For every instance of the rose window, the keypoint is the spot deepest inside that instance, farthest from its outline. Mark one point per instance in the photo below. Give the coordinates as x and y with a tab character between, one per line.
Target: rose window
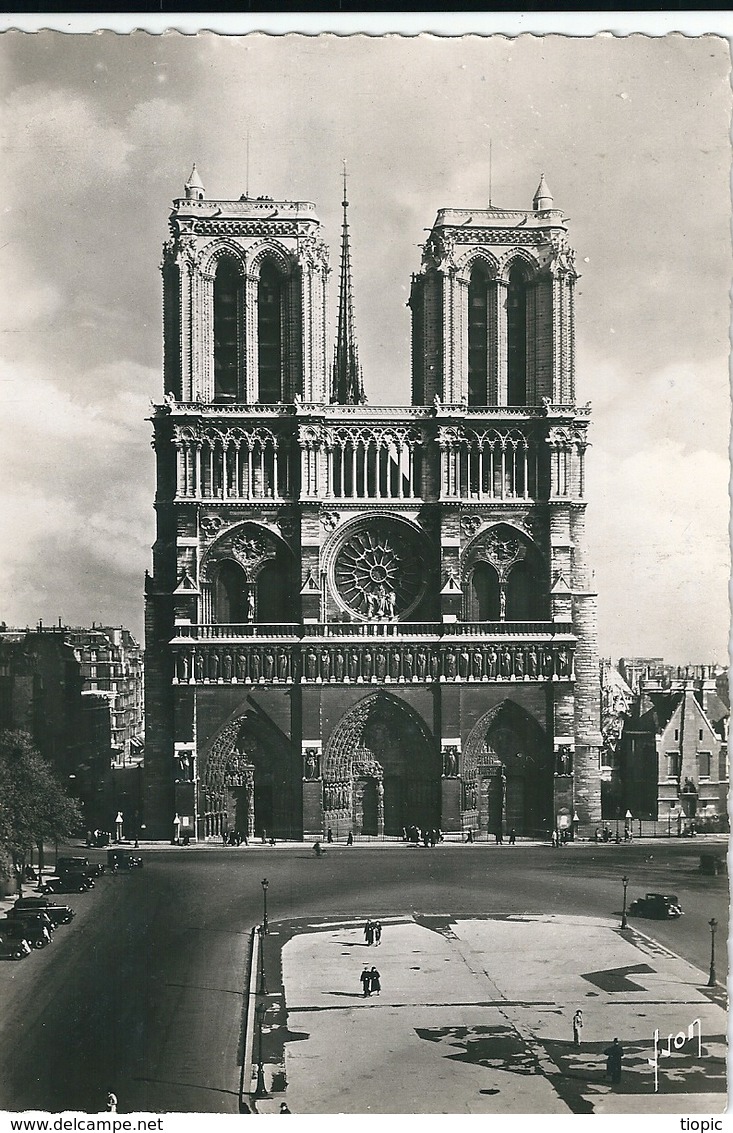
379	571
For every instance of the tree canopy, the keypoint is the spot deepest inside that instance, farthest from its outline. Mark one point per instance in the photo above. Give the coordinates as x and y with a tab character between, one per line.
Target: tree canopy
33	805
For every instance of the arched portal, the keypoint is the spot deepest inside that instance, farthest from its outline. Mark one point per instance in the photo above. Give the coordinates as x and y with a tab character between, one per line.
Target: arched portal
508	772
249	780
381	770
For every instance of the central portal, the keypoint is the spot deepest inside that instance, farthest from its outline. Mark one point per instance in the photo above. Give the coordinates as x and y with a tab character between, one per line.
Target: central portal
381	771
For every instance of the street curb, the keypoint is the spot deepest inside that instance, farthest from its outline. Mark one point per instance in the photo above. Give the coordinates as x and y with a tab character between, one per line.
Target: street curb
245	1081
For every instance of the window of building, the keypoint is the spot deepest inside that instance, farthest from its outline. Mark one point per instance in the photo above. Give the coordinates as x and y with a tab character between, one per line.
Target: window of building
699	734
723	765
674	764
676	735
478	345
703	758
227	283
269	319
516	334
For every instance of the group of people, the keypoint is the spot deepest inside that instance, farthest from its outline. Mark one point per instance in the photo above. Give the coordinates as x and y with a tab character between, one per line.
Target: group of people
414	835
370	981
373	932
233	838
614	1053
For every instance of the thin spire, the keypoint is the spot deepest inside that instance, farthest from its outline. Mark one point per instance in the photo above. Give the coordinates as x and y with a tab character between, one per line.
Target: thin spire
347	387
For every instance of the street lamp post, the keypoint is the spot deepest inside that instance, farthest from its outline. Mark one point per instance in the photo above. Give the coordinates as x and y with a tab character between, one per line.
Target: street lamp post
625	882
260	1089
264	884
712	982
262	989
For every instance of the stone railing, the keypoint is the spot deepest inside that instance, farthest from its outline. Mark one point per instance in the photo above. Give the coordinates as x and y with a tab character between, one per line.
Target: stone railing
373	662
374	630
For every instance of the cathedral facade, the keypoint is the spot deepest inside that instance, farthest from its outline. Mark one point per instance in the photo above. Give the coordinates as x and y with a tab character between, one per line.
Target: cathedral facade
363	617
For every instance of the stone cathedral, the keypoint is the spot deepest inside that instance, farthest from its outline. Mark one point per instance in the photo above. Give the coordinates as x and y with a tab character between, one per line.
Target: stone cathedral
365	617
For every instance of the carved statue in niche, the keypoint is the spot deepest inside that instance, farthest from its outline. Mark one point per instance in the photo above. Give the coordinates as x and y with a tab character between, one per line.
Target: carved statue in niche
199	666
213	666
394	665
451	763
492	659
241	666
422	664
250	604
367	665
502	602
325	664
269	665
564	760
563	662
311	763
283	665
182	667
380	664
533	666
506	661
256	665
311	661
408	665
450	665
434	665
519	662
463	662
185	766
338	665
547	661
477	664
226	667
353	665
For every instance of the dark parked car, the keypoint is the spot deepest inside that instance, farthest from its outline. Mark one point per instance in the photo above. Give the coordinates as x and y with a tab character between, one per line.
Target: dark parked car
36	928
57	914
123	859
79	865
661	906
68	883
13	949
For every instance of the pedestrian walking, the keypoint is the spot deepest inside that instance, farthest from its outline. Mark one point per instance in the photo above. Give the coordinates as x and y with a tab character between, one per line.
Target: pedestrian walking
366	981
377	932
375	985
512	836
284	1108
369	932
614	1055
329	835
112	1102
469	836
350	839
577	1027
554	839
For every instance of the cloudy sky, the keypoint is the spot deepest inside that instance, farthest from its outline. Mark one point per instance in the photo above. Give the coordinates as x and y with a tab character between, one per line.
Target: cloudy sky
98	134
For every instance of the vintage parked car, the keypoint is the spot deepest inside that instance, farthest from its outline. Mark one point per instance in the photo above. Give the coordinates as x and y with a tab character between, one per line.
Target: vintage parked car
57	914
36	928
661	906
68	883
79	865
123	859
14	949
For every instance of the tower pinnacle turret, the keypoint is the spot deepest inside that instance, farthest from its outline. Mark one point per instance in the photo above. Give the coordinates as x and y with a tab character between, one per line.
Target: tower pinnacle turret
543	197
347	387
194	186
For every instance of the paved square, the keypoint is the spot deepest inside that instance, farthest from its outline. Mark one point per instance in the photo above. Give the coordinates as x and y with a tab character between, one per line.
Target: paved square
475	1016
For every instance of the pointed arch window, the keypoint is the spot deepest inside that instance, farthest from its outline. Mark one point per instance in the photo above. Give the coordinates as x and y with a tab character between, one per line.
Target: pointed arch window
478	344
227	331
269	326
516	334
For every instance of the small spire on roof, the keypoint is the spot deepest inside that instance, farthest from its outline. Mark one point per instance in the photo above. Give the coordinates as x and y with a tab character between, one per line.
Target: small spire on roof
347	387
543	197
194	186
